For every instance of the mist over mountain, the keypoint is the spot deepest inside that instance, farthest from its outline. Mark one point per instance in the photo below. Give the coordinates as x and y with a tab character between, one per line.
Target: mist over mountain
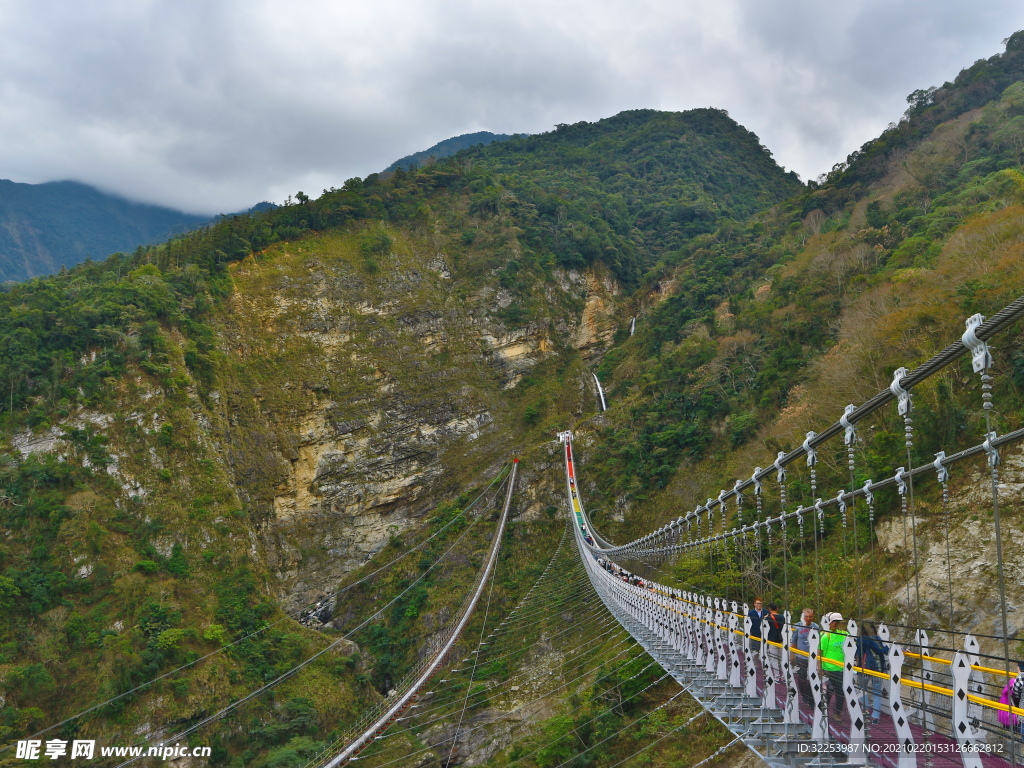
61	223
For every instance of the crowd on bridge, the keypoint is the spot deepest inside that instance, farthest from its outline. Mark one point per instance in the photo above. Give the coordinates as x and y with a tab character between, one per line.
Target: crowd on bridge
768	627
623	574
871	655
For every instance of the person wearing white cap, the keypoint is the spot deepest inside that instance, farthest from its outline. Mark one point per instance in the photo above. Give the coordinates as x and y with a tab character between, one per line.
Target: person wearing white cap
831	653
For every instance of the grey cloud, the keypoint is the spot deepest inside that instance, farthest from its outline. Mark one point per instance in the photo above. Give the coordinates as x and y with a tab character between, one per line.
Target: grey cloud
211	106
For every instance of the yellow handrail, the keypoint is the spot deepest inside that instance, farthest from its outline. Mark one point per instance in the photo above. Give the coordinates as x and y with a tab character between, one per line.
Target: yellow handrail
1019	711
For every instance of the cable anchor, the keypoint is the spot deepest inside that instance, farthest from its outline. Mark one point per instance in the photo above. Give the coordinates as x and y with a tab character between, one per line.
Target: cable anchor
981	358
842	505
780	471
904	405
869	497
901	483
940	468
990	450
812	454
844	421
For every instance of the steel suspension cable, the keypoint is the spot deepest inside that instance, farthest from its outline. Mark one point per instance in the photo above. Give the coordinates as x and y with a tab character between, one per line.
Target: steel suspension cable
625	728
536	583
544	695
982	332
249	636
662	738
472	674
541	697
289	673
456	689
595	717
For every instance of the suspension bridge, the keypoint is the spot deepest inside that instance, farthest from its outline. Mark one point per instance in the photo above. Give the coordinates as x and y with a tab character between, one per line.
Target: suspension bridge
942	705
793	703
935	695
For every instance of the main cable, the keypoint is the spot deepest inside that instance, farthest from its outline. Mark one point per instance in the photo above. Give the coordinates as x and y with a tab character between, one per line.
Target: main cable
595	717
541	697
338	593
472	674
505	682
285	675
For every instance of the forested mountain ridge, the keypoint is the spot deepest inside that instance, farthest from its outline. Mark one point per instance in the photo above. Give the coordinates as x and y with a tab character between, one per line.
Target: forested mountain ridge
445	148
762	288
768	327
640	184
46	226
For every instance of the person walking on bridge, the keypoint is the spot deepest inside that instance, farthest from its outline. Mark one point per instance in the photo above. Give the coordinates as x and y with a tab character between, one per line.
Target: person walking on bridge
831	654
800	652
774	623
756	614
871	655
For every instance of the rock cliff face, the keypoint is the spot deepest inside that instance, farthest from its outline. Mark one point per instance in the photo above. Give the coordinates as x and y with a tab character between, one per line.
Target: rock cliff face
599	321
343	400
357	400
969	569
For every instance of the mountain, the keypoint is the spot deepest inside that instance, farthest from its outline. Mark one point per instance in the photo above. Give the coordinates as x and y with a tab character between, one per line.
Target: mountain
897	208
320	384
446	148
306	406
46	226
759	331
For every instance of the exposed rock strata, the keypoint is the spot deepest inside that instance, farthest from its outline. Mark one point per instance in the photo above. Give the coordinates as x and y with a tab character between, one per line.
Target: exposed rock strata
385	403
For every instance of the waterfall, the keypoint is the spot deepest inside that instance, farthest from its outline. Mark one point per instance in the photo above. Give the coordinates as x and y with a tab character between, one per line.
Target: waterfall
600	392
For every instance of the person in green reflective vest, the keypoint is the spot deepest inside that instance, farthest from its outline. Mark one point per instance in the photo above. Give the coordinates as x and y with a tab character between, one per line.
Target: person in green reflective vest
831	653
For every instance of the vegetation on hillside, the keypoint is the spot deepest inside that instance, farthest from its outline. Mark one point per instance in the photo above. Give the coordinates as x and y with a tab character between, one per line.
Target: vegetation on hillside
771	326
445	148
582	211
140	554
752	304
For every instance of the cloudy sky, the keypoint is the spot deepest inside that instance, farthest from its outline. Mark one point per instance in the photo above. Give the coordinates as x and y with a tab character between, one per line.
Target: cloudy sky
213	105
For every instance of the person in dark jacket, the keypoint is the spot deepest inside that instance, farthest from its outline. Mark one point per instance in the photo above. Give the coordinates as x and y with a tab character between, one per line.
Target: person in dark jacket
774	623
756	614
871	655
